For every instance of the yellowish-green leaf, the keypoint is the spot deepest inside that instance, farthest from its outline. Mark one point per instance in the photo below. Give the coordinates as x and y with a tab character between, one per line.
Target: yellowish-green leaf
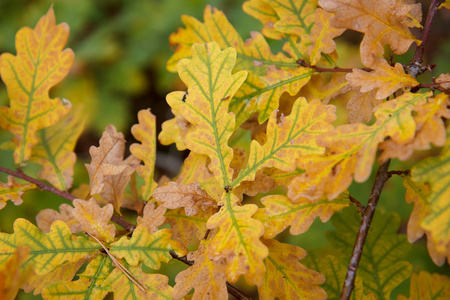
125	289
416	193
384	78
174	130
55	150
262	11
205	276
436	171
428	286
351	150
210	88
292	137
286	278
151	249
12	276
91	284
187	228
279	213
446	4
47	251
94	219
145	132
238	241
39	65
12	190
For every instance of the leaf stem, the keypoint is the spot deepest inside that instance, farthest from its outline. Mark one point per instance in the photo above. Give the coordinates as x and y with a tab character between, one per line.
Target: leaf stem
349	283
43	186
233	291
303	63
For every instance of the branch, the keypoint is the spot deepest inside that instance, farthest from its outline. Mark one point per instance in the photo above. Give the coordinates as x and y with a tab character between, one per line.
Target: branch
231	289
303	63
399	173
349	283
43	186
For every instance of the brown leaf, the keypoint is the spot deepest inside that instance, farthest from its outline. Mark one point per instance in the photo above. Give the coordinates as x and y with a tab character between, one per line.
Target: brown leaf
361	107
190	196
153	217
444	80
46	217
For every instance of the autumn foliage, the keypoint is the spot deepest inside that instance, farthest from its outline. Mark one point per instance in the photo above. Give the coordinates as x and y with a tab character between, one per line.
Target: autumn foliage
265	154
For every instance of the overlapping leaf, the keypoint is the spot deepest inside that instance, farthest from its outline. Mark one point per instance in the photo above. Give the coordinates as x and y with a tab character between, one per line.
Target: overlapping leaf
145	132
11	275
185	228
39	65
55	150
430	286
351	150
46	217
238	241
383	254
383	23
205	276
13	191
47	251
435	170
152	217
91	284
286	278
262	11
151	249
279	213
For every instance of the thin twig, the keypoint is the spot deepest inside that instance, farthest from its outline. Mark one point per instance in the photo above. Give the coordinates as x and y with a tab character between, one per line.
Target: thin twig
303	63
233	291
399	173
43	186
433	86
349	283
361	207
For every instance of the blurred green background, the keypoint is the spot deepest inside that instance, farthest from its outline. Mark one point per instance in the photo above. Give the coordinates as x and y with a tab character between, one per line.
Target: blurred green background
121	48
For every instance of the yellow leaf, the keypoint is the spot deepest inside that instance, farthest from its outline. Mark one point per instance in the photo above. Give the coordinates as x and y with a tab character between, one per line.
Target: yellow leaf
286	278
186	228
94	220
190	196
428	286
151	249
12	190
384	78
12	276
146	151
322	36
351	150
39	65
238	241
211	86
383	23
435	170
125	289
325	89
46	217
47	251
279	213
292	137
55	150
91	284
174	130
205	276
152	218
262	11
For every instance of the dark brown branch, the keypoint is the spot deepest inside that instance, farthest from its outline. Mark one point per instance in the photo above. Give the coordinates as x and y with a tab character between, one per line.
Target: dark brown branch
43	186
433	86
349	283
231	289
361	208
303	63
399	173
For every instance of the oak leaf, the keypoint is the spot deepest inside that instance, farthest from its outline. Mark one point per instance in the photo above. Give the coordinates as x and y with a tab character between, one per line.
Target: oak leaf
145	132
185	228
205	276
262	11
46	217
319	87
426	285
190	196
13	191
384	78
361	106
152	217
94	220
39	65
383	23
12	276
444	80
286	278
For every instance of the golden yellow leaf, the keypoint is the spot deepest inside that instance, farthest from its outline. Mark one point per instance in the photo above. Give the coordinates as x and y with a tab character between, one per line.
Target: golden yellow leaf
145	132
174	130
384	78
262	11
238	241
46	217
12	190
279	213
428	286
205	276
185	228
190	196
286	278
12	276
383	23
39	65
153	217
325	90
94	220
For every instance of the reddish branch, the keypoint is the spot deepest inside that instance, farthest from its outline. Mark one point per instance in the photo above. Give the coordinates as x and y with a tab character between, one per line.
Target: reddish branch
303	63
349	283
